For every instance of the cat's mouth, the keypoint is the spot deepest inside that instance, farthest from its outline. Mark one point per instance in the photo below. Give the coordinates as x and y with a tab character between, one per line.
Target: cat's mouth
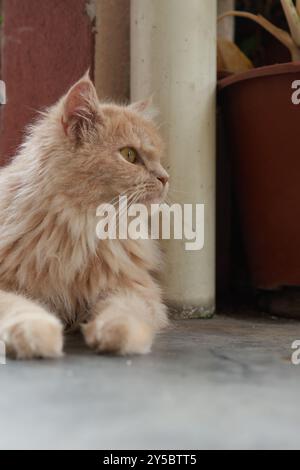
154	196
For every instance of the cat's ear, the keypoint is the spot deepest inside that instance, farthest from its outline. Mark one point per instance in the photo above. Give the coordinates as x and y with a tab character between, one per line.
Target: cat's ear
145	108
80	109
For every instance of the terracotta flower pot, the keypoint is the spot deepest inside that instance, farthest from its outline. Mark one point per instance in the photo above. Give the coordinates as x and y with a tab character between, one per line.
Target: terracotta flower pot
263	128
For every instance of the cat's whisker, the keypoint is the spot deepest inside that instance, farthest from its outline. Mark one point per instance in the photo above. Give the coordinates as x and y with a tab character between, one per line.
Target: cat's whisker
172	190
122	209
116	199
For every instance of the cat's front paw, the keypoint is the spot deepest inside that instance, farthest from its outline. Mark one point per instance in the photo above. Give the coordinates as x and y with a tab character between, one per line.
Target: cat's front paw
119	335
33	335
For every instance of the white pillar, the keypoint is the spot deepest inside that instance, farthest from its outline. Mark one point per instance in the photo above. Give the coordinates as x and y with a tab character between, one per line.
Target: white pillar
173	55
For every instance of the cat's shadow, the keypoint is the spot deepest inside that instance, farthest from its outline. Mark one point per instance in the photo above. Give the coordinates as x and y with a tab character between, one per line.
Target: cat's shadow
75	344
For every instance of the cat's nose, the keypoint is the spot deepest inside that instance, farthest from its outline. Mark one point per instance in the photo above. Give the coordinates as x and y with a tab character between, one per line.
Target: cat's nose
163	179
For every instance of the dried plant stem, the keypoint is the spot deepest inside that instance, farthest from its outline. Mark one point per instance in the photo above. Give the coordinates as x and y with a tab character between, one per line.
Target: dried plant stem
293	19
282	36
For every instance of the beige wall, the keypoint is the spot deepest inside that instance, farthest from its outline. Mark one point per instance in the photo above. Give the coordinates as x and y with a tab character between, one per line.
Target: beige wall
112	57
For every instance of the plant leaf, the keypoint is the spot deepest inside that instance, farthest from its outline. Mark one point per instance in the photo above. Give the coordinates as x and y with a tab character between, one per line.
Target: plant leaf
293	19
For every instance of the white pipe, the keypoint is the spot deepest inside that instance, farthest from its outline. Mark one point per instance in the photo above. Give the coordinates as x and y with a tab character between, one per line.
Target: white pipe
173	55
226	26
2	92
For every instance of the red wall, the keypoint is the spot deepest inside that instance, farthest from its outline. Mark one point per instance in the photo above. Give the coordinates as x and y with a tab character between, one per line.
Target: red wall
46	46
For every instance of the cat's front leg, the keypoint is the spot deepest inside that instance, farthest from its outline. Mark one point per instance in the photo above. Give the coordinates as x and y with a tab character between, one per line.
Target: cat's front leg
125	323
27	329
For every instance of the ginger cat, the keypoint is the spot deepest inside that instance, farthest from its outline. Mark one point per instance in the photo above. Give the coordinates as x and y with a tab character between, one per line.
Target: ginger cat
54	271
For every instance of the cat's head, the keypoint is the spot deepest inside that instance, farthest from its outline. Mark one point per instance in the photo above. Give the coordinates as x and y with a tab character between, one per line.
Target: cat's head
109	149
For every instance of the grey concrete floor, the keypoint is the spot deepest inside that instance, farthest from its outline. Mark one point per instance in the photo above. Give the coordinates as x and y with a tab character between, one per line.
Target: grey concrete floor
215	384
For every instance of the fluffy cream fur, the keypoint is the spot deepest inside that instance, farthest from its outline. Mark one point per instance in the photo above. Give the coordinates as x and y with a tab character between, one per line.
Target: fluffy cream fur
54	272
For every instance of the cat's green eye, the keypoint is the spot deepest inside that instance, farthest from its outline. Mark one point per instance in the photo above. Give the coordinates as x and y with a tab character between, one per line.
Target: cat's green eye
129	154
